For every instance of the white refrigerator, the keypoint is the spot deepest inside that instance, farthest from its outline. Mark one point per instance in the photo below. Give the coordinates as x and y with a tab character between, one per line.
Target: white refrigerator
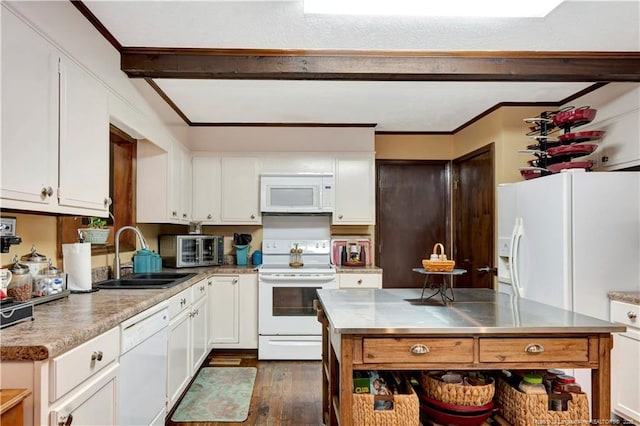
568	239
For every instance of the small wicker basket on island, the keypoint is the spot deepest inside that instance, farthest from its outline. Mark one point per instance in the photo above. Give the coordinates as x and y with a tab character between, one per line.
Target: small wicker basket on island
440	265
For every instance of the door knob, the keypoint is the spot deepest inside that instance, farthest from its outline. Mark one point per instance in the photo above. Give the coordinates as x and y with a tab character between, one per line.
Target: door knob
487	269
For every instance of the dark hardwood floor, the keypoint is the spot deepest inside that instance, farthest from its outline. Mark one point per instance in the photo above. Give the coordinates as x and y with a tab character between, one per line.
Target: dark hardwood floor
286	393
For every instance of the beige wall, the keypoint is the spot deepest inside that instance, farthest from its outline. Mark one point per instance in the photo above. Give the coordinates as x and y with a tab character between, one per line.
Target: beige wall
414	147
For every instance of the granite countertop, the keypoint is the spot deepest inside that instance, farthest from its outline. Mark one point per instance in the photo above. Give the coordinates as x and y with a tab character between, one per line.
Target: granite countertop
632	297
63	324
475	311
358	269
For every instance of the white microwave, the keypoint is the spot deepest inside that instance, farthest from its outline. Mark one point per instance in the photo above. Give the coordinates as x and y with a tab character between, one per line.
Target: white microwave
296	193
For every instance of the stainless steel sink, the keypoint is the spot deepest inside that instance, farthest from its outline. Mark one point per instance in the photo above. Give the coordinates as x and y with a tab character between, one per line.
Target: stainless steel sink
145	281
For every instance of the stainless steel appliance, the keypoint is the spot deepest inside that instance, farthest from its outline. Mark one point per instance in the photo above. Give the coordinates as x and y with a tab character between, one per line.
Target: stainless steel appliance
296	193
185	251
287	324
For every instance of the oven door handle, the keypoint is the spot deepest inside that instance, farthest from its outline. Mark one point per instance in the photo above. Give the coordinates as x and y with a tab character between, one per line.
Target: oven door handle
281	278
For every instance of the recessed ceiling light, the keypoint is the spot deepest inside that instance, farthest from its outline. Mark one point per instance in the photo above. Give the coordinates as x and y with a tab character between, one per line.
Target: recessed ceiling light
444	8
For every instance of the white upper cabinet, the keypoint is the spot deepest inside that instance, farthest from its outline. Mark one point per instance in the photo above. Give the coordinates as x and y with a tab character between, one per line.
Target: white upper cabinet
354	189
84	140
41	171
206	189
240	190
163	184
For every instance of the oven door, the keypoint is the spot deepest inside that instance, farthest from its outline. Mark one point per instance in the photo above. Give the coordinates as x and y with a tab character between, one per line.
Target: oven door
286	303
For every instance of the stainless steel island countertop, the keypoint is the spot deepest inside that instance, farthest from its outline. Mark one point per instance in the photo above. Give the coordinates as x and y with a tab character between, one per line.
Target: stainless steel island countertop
477	311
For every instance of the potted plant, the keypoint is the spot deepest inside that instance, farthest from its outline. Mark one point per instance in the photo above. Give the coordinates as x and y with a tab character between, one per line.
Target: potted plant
96	233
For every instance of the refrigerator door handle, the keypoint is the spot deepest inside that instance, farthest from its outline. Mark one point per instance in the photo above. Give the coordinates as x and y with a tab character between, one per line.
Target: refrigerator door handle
513	264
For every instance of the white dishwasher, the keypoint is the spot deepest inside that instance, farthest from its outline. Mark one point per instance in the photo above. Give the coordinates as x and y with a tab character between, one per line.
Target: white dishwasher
143	367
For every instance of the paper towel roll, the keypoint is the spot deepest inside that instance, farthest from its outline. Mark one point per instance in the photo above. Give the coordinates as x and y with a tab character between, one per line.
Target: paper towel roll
76	262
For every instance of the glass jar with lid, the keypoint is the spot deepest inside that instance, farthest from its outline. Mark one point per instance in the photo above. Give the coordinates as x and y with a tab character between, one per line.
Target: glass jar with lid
49	281
21	284
35	261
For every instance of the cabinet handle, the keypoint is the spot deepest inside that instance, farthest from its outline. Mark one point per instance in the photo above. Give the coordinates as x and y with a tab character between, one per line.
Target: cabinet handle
534	348
107	202
419	349
46	191
235	281
209	283
253	216
96	355
209	216
632	315
360	281
184	215
183	301
191	314
65	420
339	216
174	213
201	289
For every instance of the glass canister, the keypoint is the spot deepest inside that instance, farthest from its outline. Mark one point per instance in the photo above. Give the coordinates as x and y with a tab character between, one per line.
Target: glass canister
35	261
49	281
21	284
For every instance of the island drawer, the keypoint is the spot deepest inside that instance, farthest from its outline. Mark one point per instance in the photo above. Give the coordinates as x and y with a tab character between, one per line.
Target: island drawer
406	349
532	349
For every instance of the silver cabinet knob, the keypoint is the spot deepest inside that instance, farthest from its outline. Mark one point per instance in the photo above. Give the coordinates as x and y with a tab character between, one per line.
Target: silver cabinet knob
235	281
46	191
209	216
360	281
340	216
632	315
107	202
253	216
209	283
96	356
183	302
174	213
201	289
65	420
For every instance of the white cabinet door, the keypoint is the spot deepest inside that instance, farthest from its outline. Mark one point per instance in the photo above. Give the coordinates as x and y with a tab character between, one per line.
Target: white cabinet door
355	190
625	371
248	311
224	314
84	140
180	190
29	169
199	337
93	403
240	177
179	344
206	189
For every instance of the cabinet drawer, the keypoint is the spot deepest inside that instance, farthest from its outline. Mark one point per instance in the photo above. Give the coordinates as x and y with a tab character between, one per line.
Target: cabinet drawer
199	290
625	313
360	280
448	350
532	349
72	368
179	302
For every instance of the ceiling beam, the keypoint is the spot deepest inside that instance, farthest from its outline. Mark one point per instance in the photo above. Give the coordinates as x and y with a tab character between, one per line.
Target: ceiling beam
262	64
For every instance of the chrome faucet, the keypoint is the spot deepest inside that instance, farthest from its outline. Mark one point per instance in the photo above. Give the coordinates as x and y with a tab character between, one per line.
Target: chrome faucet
143	243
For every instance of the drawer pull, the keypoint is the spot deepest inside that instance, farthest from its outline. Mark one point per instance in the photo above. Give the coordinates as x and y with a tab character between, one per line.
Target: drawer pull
66	420
534	348
632	315
360	281
96	356
419	349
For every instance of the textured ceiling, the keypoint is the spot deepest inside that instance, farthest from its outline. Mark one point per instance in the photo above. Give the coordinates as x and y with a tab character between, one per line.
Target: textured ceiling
393	106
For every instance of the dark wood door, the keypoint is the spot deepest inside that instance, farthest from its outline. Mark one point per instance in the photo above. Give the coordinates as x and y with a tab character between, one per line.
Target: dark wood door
412	215
473	217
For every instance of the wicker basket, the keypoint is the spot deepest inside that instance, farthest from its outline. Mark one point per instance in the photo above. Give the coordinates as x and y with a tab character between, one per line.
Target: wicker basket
457	394
441	265
405	412
521	409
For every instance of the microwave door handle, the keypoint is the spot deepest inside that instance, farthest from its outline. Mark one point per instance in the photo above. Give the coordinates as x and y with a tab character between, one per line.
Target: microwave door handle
198	259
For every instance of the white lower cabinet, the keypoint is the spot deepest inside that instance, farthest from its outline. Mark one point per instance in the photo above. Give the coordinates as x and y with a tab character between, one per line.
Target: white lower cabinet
625	371
92	403
233	311
187	338
360	280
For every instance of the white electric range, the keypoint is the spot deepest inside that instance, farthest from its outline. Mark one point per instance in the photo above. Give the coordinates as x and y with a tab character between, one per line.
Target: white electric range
287	323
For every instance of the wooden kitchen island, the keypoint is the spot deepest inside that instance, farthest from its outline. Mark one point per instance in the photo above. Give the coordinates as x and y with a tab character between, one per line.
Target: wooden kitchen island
379	329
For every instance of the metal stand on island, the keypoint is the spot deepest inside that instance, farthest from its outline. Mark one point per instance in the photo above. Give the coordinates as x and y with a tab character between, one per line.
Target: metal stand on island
442	287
